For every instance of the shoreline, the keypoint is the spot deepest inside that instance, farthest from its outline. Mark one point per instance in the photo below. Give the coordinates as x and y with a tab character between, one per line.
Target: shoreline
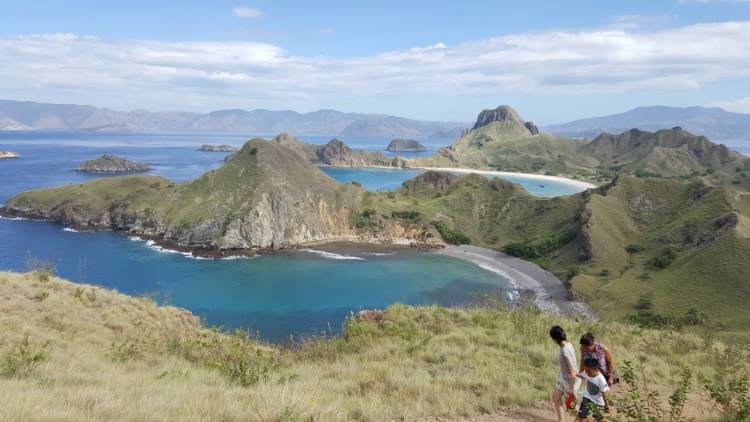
550	294
570	182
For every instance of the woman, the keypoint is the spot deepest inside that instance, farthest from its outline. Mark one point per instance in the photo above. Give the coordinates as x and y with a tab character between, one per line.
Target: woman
590	348
567	382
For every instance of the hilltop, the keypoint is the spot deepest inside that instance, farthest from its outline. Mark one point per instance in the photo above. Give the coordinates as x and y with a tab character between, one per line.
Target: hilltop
502	140
74	352
714	123
25	115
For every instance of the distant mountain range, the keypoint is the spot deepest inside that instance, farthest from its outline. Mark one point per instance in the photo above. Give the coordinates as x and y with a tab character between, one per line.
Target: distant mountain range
713	123
23	115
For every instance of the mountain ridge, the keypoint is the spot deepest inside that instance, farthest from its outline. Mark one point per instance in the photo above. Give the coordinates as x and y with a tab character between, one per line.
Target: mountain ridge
27	115
713	122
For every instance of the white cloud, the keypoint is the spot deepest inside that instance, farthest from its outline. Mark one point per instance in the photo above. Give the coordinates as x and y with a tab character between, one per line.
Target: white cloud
207	75
328	32
741	105
246	12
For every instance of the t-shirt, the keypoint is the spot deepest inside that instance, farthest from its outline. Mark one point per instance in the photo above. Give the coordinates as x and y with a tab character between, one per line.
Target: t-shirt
595	387
569	352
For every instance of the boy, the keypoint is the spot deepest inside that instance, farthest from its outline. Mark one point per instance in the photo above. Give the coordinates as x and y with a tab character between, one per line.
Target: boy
595	395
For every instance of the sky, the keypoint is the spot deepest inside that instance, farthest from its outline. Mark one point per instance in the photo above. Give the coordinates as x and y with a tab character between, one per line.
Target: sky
554	61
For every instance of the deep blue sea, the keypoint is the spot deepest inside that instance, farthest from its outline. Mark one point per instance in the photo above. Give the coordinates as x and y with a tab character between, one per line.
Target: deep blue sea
294	293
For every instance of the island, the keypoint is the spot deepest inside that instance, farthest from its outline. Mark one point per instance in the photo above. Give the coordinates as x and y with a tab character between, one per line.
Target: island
405	145
111	164
9	154
217	148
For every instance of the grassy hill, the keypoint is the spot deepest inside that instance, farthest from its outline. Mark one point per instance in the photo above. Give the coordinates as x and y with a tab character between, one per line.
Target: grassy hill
72	352
506	144
654	250
264	196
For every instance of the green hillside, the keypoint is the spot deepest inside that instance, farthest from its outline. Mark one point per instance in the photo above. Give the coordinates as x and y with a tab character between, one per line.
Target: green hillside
73	352
505	143
680	247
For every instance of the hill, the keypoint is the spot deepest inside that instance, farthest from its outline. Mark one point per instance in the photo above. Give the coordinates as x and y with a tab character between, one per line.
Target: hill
713	123
264	196
74	352
501	140
677	246
24	115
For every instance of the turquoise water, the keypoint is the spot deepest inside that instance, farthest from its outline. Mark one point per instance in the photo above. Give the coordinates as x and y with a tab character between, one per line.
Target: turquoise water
295	293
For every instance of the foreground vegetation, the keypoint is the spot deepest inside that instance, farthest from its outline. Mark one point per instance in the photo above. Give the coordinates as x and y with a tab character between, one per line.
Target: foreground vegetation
75	352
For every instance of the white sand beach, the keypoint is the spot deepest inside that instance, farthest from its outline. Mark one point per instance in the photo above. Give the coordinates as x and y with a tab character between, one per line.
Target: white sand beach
571	182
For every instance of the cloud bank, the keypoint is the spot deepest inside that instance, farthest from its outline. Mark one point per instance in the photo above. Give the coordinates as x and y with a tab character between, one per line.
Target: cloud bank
209	75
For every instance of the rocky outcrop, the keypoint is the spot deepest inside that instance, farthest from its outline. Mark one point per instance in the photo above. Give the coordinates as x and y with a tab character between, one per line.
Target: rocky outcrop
531	127
338	154
405	145
111	164
503	113
217	148
430	183
9	154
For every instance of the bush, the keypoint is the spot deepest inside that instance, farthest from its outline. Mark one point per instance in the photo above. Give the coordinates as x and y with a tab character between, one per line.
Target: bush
364	219
644	303
631	249
23	358
641	404
407	215
242	363
40	269
451	236
730	388
540	247
663	260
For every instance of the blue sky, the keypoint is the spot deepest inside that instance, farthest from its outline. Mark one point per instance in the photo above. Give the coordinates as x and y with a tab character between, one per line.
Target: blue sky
441	60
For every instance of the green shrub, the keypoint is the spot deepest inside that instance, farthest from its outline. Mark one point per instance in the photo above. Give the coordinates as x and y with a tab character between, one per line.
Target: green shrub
730	388
23	357
631	249
663	260
639	403
539	247
451	236
365	219
407	215
242	364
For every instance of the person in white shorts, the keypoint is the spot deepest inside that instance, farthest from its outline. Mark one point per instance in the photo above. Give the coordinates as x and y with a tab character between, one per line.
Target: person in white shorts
567	383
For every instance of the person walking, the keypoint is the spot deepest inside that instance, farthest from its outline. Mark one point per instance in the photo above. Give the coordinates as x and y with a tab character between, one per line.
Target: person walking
567	382
590	348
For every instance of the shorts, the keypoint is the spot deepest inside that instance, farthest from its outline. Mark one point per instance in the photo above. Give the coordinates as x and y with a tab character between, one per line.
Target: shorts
563	386
583	410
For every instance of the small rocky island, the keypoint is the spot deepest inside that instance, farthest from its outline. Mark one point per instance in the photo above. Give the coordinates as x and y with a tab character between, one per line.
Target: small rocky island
9	154
111	164
217	148
405	145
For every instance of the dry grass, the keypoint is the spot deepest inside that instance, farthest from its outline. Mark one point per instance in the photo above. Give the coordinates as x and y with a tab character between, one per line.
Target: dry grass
114	357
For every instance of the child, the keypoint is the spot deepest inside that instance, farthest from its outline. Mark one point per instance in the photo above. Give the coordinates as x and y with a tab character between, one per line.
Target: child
595	394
